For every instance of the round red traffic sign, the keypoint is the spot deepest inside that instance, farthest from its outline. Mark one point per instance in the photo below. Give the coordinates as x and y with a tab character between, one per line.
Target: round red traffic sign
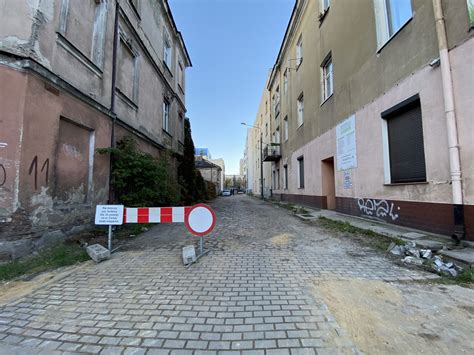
201	219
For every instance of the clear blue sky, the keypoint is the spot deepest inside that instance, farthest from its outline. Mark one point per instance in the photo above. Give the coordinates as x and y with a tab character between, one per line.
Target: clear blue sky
232	44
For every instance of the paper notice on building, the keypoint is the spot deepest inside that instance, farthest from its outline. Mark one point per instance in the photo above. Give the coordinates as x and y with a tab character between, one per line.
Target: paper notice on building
346	144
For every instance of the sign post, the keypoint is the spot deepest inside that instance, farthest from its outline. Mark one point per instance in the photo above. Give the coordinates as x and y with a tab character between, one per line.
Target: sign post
110	215
200	221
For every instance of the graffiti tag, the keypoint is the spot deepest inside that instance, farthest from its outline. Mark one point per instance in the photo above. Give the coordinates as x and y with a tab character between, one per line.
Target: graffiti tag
377	208
3	175
34	168
72	151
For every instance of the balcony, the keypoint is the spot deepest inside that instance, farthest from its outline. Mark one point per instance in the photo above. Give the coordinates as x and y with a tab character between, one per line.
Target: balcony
272	152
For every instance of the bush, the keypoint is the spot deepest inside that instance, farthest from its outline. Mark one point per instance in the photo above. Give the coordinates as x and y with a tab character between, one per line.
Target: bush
139	179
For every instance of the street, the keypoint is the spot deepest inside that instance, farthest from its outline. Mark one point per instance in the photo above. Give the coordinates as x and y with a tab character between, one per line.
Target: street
271	284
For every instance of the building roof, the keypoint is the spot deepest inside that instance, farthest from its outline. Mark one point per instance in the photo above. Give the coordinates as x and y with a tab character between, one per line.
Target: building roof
205	164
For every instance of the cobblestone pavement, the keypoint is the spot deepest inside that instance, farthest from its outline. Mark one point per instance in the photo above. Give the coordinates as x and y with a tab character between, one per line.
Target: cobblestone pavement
255	292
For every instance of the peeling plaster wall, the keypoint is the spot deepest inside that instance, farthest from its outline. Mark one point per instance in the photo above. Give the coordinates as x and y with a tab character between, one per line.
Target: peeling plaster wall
44	212
21	25
56	61
12	99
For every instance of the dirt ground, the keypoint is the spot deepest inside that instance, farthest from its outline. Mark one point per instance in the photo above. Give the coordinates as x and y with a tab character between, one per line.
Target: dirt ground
393	318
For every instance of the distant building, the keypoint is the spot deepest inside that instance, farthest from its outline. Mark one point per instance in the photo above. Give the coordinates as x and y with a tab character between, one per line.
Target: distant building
236	181
202	152
242	167
221	163
210	172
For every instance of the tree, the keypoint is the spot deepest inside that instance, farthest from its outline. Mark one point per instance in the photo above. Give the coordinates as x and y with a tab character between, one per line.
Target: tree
193	188
227	182
239	183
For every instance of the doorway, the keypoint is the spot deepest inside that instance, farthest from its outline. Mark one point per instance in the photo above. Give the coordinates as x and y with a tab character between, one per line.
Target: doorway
328	182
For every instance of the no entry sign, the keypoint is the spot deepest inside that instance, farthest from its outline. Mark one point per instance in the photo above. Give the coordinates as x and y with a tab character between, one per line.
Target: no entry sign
200	220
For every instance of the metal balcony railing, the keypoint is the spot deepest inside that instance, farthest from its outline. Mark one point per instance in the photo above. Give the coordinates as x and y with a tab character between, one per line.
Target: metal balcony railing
271	152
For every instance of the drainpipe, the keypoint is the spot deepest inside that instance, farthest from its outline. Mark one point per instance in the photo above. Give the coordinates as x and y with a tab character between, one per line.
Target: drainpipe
453	144
112	93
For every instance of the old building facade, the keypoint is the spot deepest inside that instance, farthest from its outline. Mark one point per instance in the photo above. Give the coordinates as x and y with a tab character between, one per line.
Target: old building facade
371	109
76	76
211	173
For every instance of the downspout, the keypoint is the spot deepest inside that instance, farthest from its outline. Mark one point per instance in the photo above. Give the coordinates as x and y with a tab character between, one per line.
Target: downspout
453	143
112	94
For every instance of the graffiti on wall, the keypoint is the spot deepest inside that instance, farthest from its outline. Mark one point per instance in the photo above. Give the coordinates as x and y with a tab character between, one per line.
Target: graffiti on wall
377	208
3	175
3	172
34	169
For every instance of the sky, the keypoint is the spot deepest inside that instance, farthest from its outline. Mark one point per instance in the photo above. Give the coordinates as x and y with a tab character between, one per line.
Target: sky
232	44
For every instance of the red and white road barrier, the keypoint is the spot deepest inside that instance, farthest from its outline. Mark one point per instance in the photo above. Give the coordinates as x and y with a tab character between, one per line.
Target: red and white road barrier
155	214
200	219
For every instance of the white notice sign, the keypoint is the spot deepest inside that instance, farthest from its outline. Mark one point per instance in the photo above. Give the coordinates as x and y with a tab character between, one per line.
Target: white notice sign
346	144
109	214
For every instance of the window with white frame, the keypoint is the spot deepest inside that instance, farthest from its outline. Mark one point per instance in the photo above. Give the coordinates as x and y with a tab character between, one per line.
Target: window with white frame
327	88
285	129
285	82
299	51
181	75
390	17
324	5
300	109
277	102
166	116
167	49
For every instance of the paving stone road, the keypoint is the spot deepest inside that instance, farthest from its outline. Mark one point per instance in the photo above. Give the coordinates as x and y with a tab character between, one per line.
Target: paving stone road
254	293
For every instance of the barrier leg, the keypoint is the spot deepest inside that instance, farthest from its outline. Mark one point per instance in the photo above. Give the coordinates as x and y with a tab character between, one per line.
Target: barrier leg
110	238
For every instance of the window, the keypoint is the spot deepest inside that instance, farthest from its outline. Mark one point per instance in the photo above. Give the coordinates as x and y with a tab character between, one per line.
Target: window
324	5
127	85
285	170
274	180
390	16
285	129
300	110
470	11
277	135
135	6
180	75
276	101
84	41
167	50
404	140
301	172
266	129
278	179
299	51
327	79
285	81
166	116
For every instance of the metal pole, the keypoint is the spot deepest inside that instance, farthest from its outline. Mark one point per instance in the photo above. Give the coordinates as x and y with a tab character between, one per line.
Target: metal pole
261	164
110	238
201	245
